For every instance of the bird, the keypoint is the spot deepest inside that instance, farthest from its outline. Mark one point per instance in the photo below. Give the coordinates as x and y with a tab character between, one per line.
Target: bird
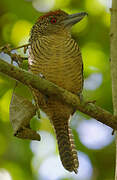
56	56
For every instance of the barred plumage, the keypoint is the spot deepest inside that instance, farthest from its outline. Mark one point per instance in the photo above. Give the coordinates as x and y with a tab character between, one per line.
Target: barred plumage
67	150
56	56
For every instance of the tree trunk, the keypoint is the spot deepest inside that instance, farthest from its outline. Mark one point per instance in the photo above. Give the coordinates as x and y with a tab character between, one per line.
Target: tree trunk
113	35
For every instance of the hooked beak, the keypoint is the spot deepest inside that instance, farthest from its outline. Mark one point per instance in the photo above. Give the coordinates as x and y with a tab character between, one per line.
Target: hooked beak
74	18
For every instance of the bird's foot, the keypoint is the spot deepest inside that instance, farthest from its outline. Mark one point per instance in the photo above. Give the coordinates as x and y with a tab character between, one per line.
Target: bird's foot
41	75
38	113
91	101
45	96
113	132
80	97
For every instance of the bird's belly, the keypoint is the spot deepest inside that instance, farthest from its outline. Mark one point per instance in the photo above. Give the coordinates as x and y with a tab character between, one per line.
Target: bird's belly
63	69
63	72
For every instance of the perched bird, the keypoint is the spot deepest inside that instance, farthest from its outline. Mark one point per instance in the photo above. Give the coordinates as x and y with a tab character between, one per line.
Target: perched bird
56	56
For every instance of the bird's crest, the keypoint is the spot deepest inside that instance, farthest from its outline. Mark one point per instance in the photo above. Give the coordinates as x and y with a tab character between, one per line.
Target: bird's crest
52	13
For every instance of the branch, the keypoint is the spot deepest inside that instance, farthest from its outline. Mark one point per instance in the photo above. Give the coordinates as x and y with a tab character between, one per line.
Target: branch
48	88
15	57
114	62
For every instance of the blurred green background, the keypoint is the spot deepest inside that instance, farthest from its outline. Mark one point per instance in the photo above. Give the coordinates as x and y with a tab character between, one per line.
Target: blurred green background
23	159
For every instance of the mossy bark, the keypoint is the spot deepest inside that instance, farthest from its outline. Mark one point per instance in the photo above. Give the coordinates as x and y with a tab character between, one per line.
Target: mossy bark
48	88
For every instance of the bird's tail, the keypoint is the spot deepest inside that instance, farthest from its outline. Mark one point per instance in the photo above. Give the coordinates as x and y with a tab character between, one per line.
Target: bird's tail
67	150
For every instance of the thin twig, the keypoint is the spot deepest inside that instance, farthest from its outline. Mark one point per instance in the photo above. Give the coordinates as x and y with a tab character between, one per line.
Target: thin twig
19	47
14	57
8	48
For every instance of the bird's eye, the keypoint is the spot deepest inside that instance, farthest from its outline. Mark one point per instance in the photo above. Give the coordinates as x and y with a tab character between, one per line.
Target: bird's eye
53	20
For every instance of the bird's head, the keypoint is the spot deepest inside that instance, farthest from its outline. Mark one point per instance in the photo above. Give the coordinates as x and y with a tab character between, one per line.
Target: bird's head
56	21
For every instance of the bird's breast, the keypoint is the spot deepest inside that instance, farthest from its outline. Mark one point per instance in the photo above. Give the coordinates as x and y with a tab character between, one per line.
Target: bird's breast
59	61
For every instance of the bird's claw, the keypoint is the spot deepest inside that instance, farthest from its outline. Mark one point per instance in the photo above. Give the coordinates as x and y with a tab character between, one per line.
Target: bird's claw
41	75
38	113
91	101
113	132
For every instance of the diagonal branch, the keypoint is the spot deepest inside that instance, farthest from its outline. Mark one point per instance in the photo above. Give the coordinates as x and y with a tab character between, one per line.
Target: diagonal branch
48	88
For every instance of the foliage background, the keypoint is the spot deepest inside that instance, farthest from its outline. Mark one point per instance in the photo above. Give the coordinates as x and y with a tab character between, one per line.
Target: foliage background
21	159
